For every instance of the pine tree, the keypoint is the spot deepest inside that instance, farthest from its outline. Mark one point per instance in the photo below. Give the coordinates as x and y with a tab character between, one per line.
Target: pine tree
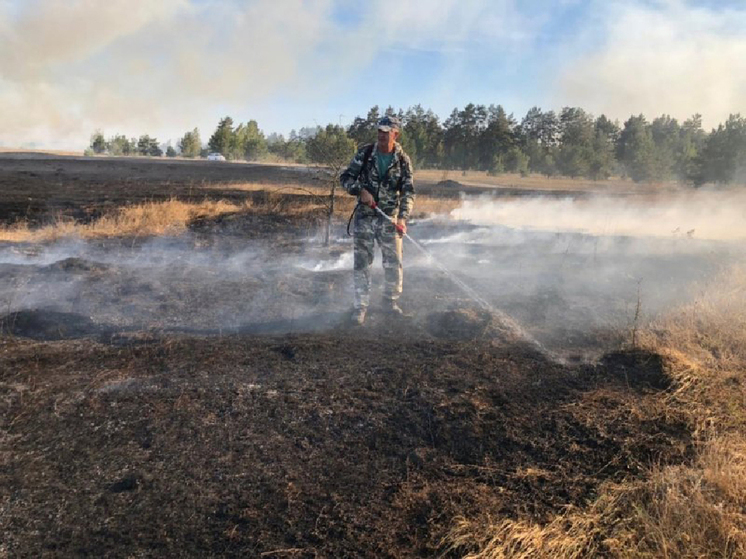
223	137
190	144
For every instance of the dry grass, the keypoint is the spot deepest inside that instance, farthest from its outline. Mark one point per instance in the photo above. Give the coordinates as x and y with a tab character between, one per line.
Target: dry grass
318	197
425	206
540	182
173	216
32	152
138	220
705	345
682	511
677	512
272	189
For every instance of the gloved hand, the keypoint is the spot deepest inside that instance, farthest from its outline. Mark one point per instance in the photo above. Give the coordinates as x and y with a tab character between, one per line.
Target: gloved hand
366	197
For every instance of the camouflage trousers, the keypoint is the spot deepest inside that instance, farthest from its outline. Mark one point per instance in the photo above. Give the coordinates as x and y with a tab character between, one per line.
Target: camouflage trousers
369	229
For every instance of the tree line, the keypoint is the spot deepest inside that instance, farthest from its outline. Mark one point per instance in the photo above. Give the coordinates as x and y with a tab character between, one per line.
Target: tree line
571	143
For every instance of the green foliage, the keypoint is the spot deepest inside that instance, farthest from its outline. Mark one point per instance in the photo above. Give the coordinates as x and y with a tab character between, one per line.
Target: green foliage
661	150
487	138
222	140
363	130
275	139
143	145
155	149
245	141
422	137
538	136
497	166
170	151
577	134
723	157
605	136
148	146
498	138
294	149
331	147
98	144
666	134
692	142
120	145
462	137
635	149
516	161
542	127
250	141
306	132
190	144
421	134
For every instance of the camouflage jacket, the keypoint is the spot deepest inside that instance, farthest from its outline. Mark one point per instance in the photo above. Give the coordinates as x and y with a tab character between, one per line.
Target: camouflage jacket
389	197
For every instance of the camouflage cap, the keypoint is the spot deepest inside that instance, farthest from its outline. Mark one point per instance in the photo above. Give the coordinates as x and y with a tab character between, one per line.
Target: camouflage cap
389	123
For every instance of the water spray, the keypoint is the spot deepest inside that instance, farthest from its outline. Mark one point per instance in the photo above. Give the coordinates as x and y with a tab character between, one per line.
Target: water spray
508	321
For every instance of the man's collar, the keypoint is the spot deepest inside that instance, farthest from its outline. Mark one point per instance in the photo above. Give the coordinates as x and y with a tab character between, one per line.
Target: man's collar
396	151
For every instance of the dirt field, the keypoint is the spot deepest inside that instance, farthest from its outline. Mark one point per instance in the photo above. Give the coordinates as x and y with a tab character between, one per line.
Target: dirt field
201	394
38	187
41	188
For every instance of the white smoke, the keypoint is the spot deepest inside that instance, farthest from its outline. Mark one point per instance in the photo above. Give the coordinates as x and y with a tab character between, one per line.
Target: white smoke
675	57
707	215
562	269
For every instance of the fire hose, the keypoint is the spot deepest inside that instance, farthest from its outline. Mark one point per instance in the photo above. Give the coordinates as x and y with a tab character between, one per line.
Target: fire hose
506	320
403	232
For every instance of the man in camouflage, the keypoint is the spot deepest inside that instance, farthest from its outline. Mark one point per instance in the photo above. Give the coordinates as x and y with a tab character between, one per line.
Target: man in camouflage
380	173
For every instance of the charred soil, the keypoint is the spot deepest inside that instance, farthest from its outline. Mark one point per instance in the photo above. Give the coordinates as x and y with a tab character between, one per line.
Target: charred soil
125	439
334	445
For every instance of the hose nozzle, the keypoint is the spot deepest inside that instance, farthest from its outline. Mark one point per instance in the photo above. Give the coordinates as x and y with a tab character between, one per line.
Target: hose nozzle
401	229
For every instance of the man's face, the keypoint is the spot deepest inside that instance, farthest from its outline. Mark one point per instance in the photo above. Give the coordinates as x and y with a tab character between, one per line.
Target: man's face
386	140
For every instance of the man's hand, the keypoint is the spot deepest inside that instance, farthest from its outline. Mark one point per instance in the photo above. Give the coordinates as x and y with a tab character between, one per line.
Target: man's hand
366	198
401	226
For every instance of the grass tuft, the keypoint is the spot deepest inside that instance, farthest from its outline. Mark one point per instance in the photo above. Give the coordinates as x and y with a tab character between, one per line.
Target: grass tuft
141	220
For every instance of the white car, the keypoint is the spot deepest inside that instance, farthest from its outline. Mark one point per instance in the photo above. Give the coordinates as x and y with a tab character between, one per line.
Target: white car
215	157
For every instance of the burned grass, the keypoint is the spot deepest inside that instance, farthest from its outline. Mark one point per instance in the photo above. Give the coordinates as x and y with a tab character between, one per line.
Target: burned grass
153	404
44	191
320	444
37	190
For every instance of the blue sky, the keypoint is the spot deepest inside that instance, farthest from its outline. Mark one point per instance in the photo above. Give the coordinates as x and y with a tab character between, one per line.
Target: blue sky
68	67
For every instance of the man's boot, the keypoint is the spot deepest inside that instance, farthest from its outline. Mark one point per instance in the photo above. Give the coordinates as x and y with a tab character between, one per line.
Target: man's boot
392	307
358	316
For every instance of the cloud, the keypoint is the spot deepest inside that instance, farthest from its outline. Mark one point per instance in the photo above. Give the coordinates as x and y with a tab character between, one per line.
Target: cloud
661	58
133	66
443	25
45	34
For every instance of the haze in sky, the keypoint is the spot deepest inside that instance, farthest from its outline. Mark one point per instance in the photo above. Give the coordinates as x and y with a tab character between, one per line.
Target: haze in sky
133	67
